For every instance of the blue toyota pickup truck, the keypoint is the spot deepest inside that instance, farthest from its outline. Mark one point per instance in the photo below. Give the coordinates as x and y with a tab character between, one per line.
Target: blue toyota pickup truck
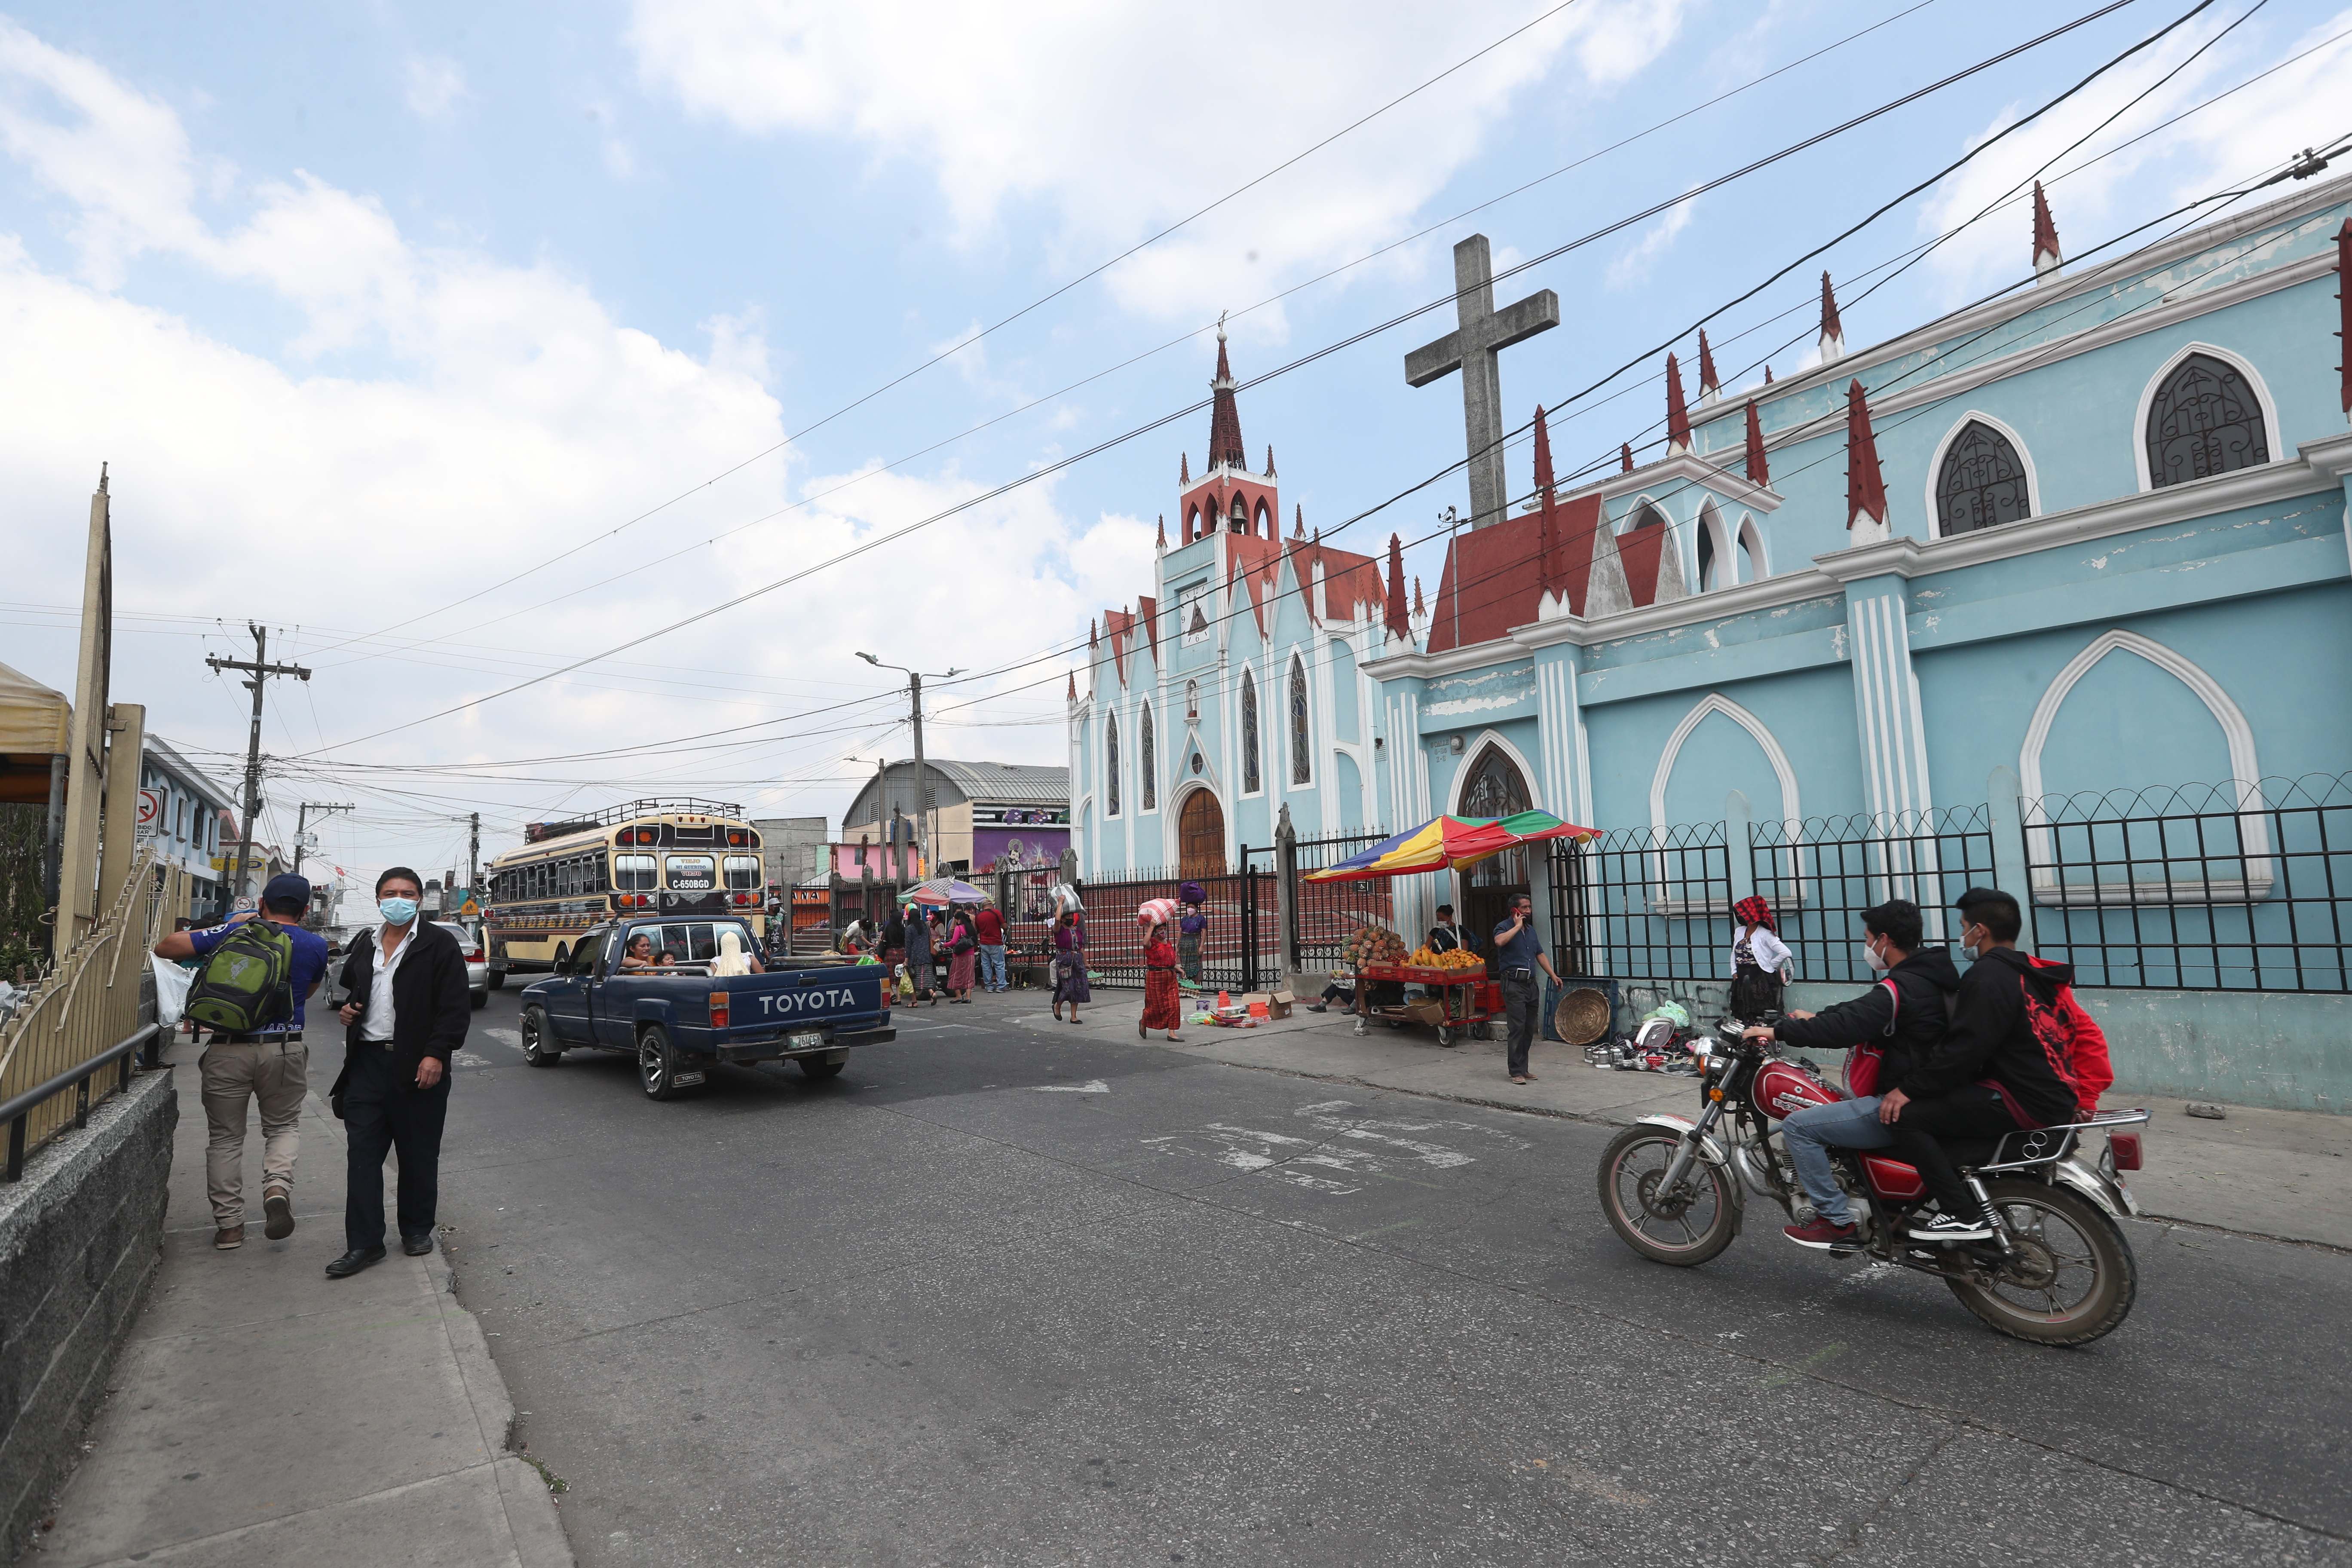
678	1019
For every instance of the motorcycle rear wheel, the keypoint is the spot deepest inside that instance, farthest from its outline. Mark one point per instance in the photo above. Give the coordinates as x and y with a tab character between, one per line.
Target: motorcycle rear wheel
1683	1235
2079	1278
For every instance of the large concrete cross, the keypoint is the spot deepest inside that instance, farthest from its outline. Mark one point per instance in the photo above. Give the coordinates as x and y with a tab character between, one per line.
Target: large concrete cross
1472	349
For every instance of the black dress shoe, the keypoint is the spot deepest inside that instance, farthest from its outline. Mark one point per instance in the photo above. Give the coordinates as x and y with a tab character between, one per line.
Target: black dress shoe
416	1245
350	1263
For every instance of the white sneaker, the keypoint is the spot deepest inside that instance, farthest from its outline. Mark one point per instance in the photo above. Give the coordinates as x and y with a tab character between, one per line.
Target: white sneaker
1944	1227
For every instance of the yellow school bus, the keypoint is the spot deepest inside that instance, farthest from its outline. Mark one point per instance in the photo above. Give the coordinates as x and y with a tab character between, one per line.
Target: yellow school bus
682	857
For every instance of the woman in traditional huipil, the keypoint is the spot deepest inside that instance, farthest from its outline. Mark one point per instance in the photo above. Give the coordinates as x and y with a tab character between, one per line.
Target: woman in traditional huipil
1190	927
918	955
963	956
1070	965
1760	962
1164	1003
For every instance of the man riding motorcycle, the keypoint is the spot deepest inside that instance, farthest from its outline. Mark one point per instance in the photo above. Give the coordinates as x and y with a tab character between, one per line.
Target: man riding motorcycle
1903	1017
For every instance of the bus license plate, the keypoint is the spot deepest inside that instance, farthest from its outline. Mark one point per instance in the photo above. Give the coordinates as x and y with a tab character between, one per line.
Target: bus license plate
807	1042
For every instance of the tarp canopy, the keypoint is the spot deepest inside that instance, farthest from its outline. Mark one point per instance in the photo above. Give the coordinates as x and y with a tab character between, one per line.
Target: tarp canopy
1447	842
33	719
941	892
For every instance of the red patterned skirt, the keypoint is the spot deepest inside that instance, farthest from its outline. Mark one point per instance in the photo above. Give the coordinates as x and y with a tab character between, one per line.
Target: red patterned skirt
1163	1004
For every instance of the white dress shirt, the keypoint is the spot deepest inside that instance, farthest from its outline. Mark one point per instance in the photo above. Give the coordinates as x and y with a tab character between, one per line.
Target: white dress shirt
375	1022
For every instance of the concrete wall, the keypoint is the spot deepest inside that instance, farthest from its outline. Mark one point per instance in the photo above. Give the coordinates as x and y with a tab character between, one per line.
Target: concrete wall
80	1238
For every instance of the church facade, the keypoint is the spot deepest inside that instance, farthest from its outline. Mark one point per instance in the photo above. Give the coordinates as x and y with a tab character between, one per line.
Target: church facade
1234	690
2052	593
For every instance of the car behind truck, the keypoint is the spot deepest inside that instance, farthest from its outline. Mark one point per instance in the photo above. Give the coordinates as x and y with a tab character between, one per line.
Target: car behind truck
679	1020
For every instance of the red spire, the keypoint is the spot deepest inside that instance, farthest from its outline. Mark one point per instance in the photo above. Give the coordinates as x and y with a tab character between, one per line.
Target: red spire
1074	686
1298	512
1767	373
1677	416
1163	531
1865	486
1758	474
1416	594
1709	388
2344	307
1625	456
1543	455
2045	234
1225	416
1092	639
1185	469
1833	330
1397	623
1269	460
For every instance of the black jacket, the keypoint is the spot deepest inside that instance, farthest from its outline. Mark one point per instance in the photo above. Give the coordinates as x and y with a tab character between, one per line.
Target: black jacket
430	1000
1926	979
1992	1036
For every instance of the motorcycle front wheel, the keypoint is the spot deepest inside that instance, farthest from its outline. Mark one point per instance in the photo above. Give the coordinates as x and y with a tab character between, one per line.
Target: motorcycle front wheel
2075	1278
1684	1230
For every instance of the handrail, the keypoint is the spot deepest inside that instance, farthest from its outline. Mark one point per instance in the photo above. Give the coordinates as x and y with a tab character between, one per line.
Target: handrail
16	1111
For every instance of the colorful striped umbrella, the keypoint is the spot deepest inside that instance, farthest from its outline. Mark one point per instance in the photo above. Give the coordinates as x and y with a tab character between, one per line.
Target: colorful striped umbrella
1445	842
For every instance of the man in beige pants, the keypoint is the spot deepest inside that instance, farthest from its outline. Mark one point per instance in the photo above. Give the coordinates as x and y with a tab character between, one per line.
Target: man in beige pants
271	1066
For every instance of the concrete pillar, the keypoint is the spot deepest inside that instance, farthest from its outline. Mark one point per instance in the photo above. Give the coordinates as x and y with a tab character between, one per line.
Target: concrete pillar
1739	819
2009	869
126	742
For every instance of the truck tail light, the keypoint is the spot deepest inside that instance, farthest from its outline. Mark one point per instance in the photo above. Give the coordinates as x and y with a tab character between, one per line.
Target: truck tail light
2126	1147
719	1005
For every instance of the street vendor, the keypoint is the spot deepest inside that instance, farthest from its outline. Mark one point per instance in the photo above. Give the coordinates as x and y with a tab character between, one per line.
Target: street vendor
1445	936
1342	990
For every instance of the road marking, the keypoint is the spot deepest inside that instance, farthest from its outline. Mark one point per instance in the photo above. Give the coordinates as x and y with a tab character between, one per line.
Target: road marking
1360	1148
468	1059
1092	1086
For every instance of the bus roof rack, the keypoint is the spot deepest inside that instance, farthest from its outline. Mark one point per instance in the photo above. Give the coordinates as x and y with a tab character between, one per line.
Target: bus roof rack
534	832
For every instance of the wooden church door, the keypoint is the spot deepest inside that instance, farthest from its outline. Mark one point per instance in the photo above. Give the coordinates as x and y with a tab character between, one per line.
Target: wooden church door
1200	836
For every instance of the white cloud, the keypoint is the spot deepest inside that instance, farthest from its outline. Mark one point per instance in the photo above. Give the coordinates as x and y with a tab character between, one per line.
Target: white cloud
511	421
435	86
1115	121
1633	266
2210	150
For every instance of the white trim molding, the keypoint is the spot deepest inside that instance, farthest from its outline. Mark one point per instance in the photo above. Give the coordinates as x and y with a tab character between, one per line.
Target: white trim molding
1716	703
2017	443
1470	754
2245	768
2279	451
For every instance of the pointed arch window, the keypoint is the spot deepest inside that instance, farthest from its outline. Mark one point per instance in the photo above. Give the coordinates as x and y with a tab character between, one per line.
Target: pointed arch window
1110	765
1496	787
1705	557
2205	420
1251	782
1648	517
1301	755
1146	762
1982	482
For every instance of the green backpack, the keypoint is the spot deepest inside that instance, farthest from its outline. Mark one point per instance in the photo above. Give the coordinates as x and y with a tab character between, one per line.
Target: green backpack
243	984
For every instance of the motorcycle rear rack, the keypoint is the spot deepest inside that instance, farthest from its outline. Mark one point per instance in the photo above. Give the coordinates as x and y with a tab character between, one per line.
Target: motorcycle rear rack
2026	1150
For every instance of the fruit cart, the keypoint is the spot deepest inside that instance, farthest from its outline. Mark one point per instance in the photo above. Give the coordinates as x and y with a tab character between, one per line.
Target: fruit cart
1462	999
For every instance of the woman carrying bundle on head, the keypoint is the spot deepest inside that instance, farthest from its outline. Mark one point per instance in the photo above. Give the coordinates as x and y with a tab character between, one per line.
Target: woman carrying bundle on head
1070	963
1190	926
1163	1001
1760	963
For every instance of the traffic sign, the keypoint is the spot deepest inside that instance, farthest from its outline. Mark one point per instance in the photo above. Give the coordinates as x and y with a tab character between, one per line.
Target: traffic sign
151	812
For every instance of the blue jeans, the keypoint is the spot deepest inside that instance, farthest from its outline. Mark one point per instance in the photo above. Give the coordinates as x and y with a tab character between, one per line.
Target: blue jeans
1847	1124
992	968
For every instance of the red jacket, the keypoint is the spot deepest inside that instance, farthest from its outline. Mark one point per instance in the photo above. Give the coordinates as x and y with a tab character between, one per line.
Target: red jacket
2068	1032
991	929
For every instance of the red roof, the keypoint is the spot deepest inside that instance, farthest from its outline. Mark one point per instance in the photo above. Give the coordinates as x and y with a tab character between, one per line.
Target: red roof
1497	591
1226	417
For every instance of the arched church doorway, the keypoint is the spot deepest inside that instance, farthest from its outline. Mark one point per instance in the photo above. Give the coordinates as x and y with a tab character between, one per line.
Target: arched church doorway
1494	786
1201	835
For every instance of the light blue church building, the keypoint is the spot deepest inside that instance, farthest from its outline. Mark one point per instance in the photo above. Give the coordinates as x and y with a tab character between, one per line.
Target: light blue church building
2053	593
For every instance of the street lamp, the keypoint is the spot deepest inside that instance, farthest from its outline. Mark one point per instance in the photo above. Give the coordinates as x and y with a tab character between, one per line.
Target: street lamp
915	703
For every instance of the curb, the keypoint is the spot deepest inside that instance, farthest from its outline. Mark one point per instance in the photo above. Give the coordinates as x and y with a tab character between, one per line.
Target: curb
531	1513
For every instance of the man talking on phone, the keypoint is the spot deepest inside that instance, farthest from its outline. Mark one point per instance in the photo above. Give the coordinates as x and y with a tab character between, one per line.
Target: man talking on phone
405	1017
1519	953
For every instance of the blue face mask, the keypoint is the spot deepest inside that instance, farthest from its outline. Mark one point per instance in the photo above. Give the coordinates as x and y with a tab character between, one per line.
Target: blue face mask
396	911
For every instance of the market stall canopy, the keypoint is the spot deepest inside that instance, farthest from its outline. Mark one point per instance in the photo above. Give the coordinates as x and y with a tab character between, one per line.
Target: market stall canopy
35	724
941	892
1447	842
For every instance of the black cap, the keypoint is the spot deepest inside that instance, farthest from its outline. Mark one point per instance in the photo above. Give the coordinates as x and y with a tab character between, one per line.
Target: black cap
287	886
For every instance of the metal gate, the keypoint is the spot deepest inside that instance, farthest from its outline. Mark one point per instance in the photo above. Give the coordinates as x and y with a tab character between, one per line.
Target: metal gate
1240	949
1323	914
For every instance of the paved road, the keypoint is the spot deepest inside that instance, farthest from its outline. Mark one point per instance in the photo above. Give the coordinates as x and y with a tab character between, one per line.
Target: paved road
1012	1294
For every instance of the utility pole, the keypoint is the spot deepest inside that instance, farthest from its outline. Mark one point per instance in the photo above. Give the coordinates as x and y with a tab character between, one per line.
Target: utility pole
474	853
302	822
261	671
922	777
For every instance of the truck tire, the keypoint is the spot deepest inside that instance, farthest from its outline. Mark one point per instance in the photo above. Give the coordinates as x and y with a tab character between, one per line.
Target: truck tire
538	1046
497	979
658	1064
481	999
816	1070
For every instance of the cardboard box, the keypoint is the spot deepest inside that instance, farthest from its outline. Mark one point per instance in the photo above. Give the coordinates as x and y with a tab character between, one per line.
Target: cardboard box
1427	1012
1280	1005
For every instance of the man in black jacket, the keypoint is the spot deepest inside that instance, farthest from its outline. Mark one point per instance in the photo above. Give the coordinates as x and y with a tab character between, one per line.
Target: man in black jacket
1902	1018
1992	1074
406	1016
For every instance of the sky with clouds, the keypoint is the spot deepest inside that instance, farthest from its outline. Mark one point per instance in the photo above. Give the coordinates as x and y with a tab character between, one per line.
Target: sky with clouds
465	346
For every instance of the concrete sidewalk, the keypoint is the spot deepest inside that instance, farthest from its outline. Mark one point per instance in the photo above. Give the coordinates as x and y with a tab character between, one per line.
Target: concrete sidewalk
261	1413
2283	1173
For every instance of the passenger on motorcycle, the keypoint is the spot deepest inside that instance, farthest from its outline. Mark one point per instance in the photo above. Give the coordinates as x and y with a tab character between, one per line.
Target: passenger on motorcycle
1901	1019
2007	1061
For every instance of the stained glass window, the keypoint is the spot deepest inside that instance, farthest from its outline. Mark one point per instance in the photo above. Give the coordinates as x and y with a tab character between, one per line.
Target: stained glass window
1110	765
1982	484
2205	421
1496	788
1300	756
1250	781
1146	763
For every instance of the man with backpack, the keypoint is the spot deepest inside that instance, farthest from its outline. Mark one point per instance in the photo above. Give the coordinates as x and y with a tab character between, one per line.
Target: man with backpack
2020	1053
258	972
1891	1028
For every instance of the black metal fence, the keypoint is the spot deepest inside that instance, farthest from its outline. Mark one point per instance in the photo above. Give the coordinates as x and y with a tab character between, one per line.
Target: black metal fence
1328	911
1820	874
1241	948
1643	902
2231	887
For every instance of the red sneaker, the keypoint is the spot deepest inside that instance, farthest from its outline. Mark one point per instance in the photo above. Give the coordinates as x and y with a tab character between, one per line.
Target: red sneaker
1822	1234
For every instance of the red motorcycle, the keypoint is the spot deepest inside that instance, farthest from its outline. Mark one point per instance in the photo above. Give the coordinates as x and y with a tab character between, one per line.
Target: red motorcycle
2057	1270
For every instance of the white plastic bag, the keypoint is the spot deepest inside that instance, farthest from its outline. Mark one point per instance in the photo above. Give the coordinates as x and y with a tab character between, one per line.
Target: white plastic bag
172	983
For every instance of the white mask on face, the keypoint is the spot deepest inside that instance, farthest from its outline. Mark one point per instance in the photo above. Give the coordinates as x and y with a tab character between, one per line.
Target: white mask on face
1873	956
